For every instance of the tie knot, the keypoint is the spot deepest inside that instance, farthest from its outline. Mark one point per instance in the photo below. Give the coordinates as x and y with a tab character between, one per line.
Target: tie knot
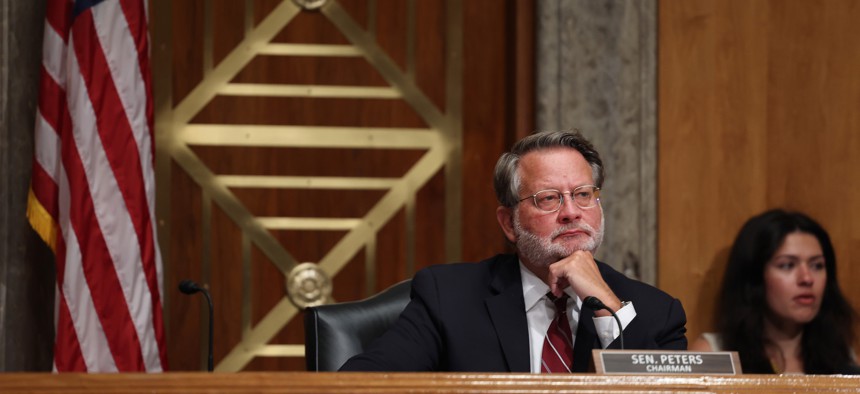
560	302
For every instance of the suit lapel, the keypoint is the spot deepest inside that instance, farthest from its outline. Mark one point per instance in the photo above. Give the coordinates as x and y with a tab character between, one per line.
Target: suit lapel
506	308
586	341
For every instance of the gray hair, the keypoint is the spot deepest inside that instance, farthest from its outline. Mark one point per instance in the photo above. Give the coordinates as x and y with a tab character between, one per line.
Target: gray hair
506	180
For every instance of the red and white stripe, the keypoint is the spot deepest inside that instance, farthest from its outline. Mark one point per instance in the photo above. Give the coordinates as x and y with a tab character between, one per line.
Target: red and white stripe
93	188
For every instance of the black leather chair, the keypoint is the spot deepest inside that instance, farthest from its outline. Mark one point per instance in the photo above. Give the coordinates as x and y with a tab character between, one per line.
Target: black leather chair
336	332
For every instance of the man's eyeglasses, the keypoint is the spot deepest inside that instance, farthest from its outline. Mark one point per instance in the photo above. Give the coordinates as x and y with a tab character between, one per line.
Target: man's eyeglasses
551	200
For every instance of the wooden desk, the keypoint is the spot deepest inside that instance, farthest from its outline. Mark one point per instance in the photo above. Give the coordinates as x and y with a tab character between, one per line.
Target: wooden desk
329	382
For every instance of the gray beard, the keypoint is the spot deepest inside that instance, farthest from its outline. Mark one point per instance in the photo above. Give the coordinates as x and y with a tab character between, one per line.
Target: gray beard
543	252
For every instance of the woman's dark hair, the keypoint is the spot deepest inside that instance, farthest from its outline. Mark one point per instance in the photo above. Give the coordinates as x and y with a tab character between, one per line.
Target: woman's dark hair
827	339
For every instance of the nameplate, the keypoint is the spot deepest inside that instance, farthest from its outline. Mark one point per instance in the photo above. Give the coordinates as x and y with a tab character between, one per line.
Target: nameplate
665	362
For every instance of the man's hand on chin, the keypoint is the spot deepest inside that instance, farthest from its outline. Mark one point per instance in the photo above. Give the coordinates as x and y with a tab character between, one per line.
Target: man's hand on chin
580	272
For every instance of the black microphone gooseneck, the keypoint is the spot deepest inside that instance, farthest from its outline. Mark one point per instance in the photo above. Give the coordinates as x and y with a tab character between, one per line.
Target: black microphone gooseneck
595	304
189	287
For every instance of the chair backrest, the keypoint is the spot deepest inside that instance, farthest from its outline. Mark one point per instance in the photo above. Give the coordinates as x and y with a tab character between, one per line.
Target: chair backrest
336	332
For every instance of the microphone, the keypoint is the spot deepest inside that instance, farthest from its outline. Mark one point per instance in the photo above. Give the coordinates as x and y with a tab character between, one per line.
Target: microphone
189	287
595	304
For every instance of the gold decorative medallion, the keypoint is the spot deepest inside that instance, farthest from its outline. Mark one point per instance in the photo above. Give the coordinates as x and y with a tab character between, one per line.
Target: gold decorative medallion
310	5
308	285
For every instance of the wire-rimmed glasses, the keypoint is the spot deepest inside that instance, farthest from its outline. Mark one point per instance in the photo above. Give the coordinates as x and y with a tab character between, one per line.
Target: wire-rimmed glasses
551	200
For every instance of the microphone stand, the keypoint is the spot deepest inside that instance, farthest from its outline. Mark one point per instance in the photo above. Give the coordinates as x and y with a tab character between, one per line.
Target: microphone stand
189	287
211	325
595	304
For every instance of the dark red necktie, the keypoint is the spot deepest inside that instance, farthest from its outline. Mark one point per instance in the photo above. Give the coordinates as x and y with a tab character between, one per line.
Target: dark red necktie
557	353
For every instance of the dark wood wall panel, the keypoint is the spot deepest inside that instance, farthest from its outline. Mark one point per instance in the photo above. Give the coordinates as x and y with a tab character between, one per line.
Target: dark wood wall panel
391	30
430	50
318	71
226	33
489	81
308	245
359	10
309	203
225	281
311	28
267	283
207	243
390	247
184	314
309	112
306	161
187	29
429	202
262	8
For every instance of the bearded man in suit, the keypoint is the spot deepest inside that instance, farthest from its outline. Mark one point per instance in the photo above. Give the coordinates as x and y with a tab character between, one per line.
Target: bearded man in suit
496	315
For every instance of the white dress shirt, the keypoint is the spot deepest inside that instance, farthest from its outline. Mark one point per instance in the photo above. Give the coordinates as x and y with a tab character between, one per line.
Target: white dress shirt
540	312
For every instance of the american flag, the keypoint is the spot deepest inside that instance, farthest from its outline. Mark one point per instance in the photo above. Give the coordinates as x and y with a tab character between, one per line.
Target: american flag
92	194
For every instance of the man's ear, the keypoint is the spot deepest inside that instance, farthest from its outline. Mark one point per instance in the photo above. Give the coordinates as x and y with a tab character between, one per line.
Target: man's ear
506	221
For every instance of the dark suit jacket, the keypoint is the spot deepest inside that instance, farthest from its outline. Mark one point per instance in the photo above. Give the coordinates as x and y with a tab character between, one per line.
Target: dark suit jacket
470	317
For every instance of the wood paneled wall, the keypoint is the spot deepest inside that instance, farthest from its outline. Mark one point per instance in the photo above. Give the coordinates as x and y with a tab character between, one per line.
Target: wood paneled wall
759	107
206	243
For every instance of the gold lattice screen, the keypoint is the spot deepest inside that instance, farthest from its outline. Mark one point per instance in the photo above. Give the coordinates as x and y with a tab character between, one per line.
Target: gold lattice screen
308	151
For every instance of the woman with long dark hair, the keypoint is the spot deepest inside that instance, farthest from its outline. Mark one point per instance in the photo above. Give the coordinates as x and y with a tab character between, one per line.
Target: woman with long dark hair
780	306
